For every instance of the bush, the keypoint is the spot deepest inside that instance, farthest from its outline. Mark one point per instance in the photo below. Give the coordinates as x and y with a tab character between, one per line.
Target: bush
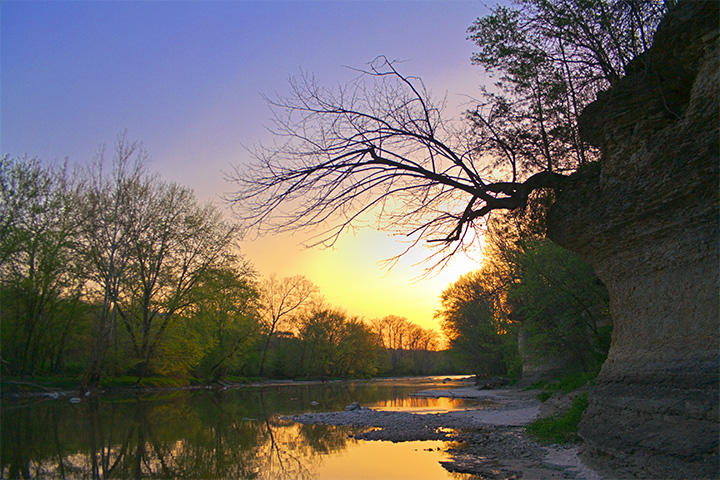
544	395
564	385
561	428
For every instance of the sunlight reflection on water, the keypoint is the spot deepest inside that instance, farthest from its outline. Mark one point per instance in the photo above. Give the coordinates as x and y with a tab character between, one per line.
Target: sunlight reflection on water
424	405
387	460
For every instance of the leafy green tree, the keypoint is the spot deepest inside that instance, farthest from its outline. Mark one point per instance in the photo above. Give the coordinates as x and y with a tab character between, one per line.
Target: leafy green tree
111	199
358	350
178	242
147	245
41	275
338	346
227	313
527	286
321	331
564	306
477	327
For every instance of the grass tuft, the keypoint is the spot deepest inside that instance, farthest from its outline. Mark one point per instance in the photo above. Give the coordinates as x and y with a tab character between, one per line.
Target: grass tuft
559	429
564	385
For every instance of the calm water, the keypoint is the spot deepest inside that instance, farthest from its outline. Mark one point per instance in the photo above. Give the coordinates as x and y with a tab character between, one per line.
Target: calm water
230	434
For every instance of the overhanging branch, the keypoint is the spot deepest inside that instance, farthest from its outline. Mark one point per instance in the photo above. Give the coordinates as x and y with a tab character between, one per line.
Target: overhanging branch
517	195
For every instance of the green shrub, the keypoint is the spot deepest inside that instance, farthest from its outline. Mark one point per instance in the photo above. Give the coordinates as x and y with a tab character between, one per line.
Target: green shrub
573	382
565	384
536	385
544	395
559	429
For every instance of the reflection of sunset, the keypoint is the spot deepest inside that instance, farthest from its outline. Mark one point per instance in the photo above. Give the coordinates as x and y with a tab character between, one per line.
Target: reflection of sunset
426	404
382	460
352	276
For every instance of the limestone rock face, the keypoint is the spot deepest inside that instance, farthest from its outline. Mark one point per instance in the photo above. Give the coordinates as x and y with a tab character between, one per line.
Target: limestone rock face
646	218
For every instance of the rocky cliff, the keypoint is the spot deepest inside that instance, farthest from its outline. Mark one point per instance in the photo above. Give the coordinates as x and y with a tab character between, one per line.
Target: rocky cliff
646	218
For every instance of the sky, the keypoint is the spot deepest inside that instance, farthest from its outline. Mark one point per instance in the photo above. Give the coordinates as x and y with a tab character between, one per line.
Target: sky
187	79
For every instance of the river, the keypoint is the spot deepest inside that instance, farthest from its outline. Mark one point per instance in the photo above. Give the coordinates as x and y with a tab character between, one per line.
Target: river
234	433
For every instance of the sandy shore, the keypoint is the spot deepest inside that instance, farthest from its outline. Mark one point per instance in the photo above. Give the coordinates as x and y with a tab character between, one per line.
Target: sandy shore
490	441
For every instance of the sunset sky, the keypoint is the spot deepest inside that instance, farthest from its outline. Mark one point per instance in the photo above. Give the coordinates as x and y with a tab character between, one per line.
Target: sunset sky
187	78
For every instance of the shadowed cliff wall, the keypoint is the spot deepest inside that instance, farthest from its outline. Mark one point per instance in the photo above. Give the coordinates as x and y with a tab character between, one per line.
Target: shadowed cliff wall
646	218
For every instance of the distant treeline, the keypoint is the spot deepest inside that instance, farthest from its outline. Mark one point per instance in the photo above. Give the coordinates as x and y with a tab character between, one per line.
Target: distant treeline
111	272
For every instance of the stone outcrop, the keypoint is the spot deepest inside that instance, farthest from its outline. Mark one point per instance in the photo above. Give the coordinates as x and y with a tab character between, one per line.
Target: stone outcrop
646	218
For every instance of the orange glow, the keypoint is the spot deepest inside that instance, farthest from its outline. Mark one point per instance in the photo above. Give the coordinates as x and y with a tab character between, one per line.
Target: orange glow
352	276
382	460
425	405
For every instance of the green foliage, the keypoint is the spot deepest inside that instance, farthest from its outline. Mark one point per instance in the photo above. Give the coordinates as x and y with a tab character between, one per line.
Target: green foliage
551	58
182	349
102	272
527	280
226	319
478	330
562	428
40	270
337	346
562	304
565	384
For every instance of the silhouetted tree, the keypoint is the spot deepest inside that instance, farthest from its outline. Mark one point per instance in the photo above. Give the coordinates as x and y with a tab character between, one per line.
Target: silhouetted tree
398	336
380	145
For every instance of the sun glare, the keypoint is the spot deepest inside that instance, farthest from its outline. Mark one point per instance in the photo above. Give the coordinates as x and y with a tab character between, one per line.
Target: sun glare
353	276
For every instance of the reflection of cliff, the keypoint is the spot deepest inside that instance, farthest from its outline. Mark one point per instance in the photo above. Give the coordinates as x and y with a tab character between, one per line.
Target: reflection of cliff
646	218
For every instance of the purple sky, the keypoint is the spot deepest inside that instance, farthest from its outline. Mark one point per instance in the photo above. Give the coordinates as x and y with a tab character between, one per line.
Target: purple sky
186	78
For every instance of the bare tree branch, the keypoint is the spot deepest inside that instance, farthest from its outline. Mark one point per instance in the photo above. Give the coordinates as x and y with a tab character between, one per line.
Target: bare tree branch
376	146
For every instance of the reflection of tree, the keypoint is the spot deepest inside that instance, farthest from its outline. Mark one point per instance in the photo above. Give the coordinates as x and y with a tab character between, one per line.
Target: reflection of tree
281	463
186	436
324	439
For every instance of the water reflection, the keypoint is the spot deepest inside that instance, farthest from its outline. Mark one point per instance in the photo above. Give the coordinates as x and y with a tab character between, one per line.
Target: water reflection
429	405
233	434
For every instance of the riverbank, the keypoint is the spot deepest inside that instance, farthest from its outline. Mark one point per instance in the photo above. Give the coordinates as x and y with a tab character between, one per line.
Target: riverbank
489	442
12	389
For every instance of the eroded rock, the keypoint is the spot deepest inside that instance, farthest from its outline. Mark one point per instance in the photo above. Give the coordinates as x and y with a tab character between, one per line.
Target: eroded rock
646	218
